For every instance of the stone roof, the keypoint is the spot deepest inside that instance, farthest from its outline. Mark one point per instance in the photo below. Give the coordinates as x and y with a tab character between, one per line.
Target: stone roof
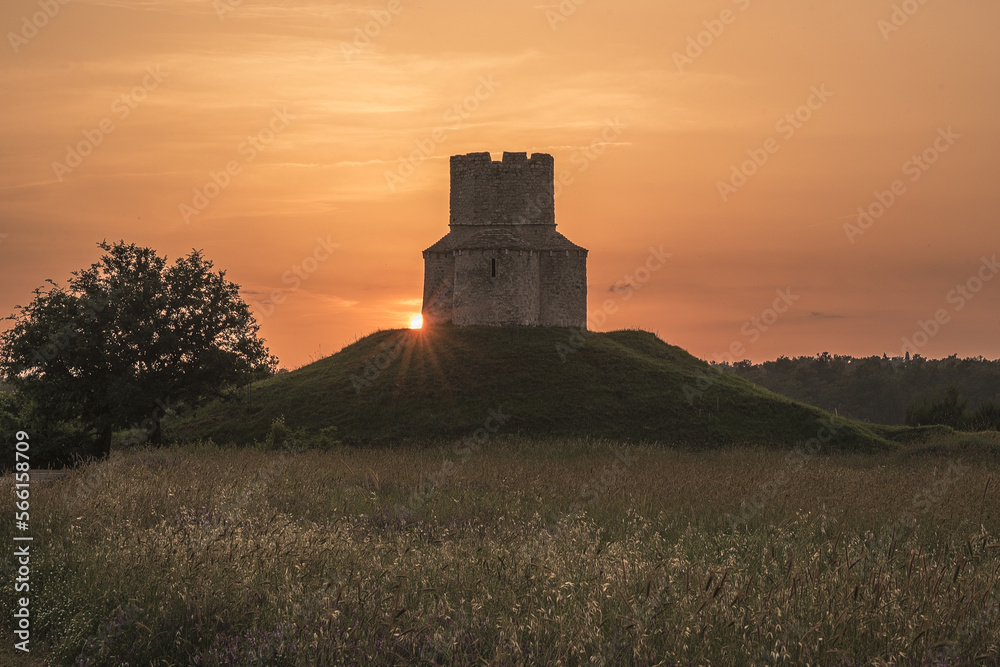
444	244
556	241
498	238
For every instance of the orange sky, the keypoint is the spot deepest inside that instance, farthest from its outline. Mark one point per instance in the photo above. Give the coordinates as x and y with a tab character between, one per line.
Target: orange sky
164	93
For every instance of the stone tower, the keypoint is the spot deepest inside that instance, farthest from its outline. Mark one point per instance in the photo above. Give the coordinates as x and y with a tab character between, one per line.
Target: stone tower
503	263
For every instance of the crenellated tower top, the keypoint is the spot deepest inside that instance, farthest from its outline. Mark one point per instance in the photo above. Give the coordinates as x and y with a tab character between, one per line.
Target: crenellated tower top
516	190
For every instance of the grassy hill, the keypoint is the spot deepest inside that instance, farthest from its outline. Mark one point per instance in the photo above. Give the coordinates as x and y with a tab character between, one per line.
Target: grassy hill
447	382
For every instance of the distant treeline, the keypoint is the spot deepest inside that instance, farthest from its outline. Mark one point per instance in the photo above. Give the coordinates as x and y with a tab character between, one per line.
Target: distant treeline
885	390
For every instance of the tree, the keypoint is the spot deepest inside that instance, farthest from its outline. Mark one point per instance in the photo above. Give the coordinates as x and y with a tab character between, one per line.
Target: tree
986	417
129	339
948	410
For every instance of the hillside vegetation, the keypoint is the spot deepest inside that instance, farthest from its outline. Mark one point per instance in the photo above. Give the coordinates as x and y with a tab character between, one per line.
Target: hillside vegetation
880	389
453	382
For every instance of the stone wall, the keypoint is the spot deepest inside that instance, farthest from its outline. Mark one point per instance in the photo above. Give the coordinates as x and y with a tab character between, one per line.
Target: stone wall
510	298
516	190
563	282
439	282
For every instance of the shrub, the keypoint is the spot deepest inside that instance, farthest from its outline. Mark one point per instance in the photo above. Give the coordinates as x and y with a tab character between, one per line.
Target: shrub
54	444
947	410
986	417
281	436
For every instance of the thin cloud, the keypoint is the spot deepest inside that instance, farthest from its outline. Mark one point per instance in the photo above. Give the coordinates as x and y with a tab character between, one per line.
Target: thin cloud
245	9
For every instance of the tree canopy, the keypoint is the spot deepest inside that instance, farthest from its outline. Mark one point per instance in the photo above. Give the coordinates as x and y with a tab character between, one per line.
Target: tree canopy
130	338
886	390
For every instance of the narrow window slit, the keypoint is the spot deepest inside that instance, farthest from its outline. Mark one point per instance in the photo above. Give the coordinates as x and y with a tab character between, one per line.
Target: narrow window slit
494	270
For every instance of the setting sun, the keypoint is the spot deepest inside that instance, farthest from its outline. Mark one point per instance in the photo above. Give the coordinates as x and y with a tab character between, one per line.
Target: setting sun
417	322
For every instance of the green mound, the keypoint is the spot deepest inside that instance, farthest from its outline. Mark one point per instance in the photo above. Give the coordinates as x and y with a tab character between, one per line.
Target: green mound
447	382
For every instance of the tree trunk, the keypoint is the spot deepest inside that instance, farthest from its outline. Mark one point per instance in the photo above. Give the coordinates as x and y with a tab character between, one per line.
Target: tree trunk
156	432
104	444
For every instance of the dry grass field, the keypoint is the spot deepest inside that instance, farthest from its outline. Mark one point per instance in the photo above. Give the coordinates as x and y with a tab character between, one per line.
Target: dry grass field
519	552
